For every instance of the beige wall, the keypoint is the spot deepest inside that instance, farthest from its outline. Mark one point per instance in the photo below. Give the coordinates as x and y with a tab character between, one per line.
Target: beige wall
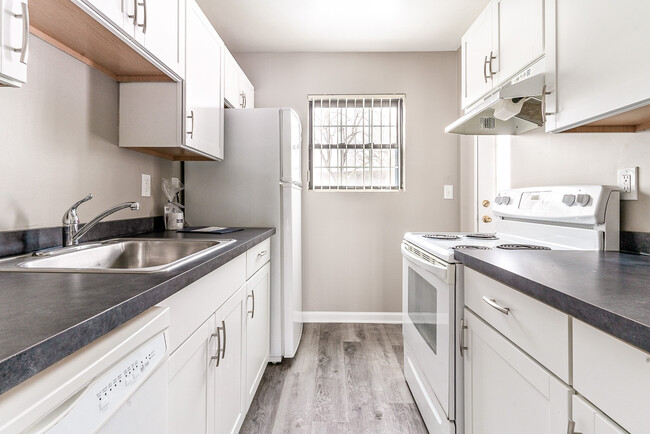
351	254
58	136
578	158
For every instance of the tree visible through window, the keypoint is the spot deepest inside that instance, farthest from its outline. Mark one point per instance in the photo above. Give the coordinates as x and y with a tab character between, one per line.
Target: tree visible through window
356	142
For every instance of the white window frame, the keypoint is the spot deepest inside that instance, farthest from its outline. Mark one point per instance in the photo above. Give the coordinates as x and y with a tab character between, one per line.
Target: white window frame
342	102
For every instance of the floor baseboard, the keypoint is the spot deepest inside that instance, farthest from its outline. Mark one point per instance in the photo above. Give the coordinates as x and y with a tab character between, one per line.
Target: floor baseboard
352	317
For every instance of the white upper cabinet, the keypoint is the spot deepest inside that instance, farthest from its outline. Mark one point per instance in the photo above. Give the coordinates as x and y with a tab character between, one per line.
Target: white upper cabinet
478	56
157	25
602	64
163	28
507	36
246	91
14	42
111	10
204	57
239	91
180	121
521	35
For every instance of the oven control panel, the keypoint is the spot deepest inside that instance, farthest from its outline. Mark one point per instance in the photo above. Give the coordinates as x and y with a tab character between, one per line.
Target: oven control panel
563	204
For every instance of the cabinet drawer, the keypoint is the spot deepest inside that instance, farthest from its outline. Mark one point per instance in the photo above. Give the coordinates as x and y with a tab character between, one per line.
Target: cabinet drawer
191	306
257	256
613	375
538	329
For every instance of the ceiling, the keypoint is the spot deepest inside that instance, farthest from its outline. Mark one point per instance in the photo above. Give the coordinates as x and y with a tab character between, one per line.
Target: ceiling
341	25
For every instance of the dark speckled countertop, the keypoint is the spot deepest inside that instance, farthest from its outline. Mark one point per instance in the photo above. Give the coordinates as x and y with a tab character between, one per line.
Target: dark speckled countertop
609	290
44	317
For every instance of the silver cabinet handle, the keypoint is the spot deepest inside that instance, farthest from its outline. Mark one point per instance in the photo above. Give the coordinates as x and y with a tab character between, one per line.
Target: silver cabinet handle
487	64
134	16
243	100
492	302
262	253
144	23
223	351
544	112
252	311
571	428
24	49
217	356
461	340
191	132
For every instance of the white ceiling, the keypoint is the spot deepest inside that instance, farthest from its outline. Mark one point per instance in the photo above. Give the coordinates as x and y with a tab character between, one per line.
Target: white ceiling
341	25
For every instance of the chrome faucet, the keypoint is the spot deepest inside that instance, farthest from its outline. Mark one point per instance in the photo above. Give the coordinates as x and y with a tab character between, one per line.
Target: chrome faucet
71	231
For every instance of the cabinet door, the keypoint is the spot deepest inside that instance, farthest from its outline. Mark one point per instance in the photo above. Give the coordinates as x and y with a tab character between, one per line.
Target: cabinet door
14	38
589	420
505	390
164	31
112	10
476	46
191	378
521	35
231	81
203	89
257	329
229	379
598	73
246	91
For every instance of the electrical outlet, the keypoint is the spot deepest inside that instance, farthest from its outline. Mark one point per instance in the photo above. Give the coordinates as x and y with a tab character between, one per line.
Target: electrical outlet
627	180
448	192
146	185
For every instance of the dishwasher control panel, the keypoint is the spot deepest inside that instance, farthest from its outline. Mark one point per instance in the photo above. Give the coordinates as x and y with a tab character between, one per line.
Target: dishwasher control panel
116	385
108	392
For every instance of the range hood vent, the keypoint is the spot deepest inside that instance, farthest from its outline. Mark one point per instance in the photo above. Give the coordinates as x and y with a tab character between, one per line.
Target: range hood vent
514	108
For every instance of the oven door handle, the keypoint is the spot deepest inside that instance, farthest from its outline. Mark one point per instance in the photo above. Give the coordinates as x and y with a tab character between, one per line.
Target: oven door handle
436	267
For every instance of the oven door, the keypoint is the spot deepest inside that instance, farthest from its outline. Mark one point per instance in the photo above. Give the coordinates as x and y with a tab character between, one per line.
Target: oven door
428	317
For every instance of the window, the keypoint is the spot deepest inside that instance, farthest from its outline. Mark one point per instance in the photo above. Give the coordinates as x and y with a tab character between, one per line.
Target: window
356	142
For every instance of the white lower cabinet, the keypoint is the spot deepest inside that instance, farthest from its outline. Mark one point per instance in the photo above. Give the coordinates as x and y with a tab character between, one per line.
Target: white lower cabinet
589	420
257	329
215	371
506	391
227	362
191	380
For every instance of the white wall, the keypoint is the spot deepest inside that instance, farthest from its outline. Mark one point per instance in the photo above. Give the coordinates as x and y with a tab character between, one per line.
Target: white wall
351	254
581	158
58	140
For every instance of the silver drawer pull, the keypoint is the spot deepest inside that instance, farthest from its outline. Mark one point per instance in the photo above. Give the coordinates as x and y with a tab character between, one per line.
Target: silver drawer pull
262	253
492	302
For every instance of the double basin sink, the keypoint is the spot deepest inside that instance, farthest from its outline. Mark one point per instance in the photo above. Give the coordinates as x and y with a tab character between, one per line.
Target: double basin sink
127	255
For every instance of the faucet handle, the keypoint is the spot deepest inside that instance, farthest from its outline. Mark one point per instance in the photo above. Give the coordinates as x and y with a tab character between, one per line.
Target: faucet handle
70	216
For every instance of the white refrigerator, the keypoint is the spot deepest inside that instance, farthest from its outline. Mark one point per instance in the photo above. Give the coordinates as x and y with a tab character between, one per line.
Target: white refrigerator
258	184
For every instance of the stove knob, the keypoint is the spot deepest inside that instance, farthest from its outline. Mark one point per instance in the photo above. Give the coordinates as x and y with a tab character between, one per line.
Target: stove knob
497	200
569	199
505	200
583	199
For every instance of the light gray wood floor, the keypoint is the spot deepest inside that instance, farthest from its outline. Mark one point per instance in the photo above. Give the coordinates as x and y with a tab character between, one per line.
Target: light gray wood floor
344	378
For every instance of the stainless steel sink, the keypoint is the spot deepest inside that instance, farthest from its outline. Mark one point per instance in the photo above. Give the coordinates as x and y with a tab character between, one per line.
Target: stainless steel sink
127	255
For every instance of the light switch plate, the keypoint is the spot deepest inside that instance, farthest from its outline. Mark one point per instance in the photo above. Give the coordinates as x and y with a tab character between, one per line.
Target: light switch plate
627	180
448	192
146	185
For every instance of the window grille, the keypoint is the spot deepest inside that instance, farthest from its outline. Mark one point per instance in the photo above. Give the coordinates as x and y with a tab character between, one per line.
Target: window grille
356	142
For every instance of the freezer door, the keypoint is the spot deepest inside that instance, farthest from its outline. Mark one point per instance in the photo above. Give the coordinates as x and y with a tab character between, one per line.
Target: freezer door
291	269
291	142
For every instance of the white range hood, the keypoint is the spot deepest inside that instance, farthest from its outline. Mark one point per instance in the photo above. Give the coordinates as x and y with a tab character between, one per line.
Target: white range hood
514	108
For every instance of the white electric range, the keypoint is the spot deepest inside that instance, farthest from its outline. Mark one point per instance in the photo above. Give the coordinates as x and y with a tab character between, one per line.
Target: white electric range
539	218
